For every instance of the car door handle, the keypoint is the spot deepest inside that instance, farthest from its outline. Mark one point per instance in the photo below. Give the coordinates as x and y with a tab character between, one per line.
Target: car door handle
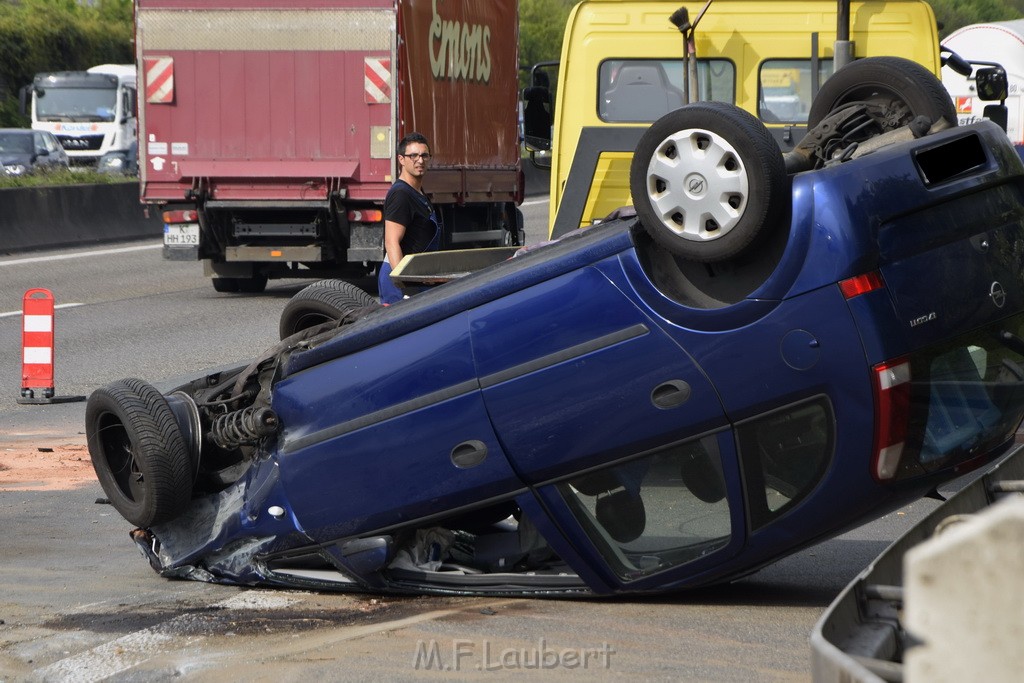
671	394
469	454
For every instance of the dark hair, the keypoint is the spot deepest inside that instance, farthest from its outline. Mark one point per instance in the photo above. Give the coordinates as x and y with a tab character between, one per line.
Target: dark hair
410	139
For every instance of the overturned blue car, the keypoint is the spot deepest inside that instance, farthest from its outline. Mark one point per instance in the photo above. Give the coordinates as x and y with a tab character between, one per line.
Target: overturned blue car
774	349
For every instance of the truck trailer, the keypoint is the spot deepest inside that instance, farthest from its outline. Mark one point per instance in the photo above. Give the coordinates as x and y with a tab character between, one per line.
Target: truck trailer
998	42
268	128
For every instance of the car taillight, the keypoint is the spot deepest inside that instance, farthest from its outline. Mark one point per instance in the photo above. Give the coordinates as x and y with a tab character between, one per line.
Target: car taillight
891	382
365	215
181	216
862	284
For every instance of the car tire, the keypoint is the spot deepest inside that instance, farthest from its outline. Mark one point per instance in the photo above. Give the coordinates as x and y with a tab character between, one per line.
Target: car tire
708	181
322	302
138	452
902	88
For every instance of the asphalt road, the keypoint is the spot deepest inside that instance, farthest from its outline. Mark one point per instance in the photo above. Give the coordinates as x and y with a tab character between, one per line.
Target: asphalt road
77	602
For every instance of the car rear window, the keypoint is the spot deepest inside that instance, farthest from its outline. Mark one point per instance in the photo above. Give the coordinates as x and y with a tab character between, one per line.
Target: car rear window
966	397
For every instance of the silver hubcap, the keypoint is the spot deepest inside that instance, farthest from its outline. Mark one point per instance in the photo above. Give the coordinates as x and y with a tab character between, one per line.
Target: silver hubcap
697	184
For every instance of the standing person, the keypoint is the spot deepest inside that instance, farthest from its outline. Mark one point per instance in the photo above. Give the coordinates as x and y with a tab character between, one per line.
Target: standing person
411	224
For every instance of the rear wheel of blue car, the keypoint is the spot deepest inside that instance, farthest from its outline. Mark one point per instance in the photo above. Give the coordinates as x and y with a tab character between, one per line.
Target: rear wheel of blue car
895	91
138	452
708	181
321	302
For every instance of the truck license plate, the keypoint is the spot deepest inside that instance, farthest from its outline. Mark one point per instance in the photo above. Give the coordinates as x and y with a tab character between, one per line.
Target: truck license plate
181	235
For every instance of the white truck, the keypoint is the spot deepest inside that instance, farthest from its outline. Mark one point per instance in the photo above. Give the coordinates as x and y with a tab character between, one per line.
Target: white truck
1002	43
92	112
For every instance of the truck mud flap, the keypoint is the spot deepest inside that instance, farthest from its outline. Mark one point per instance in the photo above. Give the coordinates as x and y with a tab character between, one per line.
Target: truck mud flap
863	635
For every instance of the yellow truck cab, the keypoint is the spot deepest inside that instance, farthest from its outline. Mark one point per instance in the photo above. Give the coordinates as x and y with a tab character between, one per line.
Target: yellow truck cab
622	68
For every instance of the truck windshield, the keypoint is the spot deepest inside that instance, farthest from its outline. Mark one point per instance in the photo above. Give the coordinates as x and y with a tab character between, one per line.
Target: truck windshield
643	90
76	104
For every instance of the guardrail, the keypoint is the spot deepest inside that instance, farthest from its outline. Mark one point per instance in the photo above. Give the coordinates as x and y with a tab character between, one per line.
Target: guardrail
73	215
864	635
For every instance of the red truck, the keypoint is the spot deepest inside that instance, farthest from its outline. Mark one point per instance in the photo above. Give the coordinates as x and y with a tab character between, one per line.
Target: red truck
267	128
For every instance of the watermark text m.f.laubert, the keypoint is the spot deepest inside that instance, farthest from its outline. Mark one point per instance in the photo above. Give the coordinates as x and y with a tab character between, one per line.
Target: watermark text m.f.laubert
468	655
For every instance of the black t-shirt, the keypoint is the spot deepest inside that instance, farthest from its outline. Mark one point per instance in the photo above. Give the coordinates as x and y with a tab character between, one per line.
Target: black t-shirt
405	206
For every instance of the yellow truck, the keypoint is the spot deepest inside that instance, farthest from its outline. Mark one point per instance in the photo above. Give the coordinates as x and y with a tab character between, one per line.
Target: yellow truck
622	67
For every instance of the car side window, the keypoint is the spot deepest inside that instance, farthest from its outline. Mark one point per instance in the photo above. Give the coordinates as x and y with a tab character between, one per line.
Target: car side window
784	454
655	512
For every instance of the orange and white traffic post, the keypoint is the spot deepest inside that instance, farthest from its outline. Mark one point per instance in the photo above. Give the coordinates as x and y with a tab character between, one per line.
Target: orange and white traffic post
37	349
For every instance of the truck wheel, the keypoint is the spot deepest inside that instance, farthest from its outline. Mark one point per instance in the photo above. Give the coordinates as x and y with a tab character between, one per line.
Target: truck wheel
246	285
708	181
322	302
899	89
138	452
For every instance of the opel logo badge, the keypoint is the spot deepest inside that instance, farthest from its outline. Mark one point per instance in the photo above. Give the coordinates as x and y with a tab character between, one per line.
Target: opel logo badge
997	294
696	185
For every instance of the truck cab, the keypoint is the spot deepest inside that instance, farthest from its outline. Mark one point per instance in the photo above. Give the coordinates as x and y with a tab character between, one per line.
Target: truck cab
622	67
92	113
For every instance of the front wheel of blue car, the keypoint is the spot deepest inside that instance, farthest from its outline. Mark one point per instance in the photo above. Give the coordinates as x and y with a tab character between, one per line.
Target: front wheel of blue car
708	181
138	452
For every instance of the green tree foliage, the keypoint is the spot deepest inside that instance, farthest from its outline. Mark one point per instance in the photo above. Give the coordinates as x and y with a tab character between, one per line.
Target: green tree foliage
541	24
954	14
57	35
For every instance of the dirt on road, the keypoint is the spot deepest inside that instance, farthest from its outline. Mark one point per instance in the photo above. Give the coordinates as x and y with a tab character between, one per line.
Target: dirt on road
57	466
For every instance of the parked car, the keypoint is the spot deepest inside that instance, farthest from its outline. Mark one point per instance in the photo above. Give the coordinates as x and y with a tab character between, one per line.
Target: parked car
601	415
27	151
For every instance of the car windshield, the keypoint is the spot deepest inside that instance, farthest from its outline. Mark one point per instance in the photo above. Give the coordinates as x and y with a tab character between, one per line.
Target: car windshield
18	143
77	104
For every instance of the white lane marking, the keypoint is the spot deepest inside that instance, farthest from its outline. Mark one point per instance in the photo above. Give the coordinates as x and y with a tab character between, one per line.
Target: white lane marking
8	314
129	651
82	254
534	202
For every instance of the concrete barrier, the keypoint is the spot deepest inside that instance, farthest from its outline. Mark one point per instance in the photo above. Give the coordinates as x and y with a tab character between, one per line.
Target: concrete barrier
75	215
78	215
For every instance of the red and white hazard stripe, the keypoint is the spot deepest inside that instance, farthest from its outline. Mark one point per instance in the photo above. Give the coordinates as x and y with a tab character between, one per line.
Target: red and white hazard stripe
377	80
159	79
37	340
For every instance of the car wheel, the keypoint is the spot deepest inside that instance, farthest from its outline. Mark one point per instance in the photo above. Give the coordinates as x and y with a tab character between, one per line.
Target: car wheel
138	452
897	89
322	302
708	181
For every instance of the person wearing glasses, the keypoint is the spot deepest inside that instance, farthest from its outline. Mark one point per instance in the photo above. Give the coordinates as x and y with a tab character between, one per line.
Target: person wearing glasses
411	224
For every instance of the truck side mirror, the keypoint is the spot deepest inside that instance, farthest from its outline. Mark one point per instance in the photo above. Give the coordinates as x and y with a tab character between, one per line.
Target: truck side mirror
998	114
537	118
991	83
23	95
